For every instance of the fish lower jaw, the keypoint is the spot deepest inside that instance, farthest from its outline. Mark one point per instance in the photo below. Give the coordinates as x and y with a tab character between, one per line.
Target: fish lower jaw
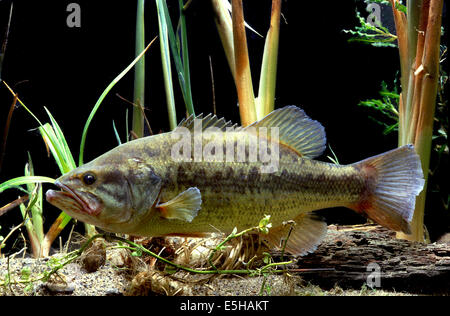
67	201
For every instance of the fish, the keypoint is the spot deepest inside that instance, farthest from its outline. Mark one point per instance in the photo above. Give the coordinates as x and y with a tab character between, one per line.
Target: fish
207	177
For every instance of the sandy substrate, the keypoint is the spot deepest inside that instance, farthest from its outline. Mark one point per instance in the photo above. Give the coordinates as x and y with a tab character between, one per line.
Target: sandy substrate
114	272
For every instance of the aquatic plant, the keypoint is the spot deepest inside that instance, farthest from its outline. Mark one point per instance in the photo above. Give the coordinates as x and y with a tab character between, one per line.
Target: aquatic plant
418	29
232	34
174	44
57	145
269	265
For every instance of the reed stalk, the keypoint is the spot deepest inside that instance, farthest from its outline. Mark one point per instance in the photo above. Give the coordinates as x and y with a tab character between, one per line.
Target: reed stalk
139	73
232	34
419	43
244	83
267	81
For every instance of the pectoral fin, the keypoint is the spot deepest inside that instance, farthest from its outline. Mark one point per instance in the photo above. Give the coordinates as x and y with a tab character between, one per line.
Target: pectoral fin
184	206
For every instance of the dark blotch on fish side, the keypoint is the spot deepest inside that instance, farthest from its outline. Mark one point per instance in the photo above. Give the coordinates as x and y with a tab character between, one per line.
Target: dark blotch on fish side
229	173
254	175
112	176
152	151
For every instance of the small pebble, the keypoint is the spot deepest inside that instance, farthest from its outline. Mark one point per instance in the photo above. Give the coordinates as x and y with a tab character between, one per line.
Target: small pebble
60	288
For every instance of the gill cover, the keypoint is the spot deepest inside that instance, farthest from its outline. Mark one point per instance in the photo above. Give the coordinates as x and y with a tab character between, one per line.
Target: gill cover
143	183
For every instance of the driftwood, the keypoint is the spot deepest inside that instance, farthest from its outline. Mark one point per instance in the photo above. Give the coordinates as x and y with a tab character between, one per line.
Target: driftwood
371	255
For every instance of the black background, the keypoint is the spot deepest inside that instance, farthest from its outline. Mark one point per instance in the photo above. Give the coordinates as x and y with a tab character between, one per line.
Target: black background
66	69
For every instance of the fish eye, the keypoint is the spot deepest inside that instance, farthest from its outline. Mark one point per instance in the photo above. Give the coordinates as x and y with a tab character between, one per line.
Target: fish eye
89	178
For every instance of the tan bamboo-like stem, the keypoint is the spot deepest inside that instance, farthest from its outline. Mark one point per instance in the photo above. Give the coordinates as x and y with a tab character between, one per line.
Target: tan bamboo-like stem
225	29
244	83
427	92
402	42
417	71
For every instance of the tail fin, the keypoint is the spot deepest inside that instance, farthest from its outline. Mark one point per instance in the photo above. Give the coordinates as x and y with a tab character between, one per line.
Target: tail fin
394	179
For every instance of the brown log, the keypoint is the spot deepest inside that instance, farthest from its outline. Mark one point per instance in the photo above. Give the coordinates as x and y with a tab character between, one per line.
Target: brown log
405	266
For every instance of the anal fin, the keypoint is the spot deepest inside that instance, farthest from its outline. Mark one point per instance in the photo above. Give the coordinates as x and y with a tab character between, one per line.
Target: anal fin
306	235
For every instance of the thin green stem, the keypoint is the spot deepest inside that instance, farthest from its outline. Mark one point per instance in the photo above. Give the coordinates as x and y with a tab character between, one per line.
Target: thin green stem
139	73
185	60
215	271
165	58
227	239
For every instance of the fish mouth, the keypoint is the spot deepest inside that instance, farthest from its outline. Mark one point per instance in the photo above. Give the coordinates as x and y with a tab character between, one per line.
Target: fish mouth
71	196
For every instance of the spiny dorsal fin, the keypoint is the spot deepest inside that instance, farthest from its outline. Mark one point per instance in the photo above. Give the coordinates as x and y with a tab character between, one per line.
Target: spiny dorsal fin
206	122
296	130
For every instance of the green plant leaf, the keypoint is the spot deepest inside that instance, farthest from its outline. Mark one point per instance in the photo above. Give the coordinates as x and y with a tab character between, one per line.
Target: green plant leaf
378	36
102	97
179	49
16	182
165	57
119	142
62	145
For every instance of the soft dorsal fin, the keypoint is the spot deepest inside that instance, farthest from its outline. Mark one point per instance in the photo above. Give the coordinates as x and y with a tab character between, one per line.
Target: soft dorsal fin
206	122
296	130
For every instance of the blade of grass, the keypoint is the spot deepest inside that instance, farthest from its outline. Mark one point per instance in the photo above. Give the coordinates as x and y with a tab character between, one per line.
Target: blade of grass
51	141
5	41
100	100
139	72
32	214
165	58
185	59
63	147
116	133
21	103
126	126
267	81
15	182
6	130
179	50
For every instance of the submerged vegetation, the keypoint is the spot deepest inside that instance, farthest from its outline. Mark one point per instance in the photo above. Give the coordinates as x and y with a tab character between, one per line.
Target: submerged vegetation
406	106
411	111
173	44
174	47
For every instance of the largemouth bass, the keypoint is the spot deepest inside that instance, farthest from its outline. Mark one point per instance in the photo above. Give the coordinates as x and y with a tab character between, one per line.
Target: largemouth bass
206	177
